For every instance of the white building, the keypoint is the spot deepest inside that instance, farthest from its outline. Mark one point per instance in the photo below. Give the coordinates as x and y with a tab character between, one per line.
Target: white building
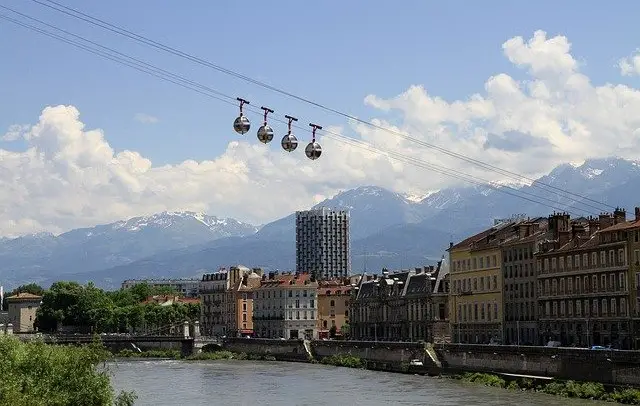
184	287
286	306
322	243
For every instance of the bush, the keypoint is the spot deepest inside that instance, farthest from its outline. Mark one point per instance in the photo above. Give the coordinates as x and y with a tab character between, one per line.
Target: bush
37	374
348	361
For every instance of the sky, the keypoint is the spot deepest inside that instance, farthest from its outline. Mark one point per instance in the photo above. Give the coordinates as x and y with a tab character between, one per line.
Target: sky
87	141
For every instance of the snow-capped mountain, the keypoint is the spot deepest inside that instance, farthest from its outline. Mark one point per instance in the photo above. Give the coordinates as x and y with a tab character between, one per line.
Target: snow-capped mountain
387	228
109	245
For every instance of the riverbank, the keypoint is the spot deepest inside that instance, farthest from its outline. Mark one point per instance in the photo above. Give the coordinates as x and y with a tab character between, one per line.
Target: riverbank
567	389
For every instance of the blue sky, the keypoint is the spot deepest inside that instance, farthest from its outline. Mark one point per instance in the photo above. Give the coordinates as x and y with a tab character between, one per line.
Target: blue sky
333	52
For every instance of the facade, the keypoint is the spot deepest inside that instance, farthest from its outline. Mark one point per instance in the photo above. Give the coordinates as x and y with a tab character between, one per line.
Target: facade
22	310
333	307
322	243
185	287
401	306
227	301
286	306
519	275
583	281
476	280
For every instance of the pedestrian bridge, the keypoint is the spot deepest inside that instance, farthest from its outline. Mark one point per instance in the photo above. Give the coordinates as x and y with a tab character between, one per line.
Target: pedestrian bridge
188	342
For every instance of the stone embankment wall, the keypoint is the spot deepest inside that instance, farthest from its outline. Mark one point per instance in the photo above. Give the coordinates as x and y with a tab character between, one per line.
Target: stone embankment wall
282	350
387	356
604	366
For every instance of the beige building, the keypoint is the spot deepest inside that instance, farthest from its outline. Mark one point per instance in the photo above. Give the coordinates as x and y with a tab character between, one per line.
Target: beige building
333	307
22	310
286	306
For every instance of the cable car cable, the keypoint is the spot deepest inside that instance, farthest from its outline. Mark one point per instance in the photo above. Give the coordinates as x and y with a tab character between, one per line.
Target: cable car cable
362	144
140	38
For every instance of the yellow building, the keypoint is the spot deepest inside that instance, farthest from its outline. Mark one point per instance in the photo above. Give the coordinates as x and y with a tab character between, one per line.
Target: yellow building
476	287
22	311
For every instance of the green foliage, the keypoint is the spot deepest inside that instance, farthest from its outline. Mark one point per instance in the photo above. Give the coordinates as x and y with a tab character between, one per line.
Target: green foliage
343	360
568	389
37	374
332	331
93	310
158	353
484	379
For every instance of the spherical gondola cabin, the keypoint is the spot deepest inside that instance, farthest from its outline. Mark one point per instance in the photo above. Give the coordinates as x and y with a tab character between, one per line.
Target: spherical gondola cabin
265	132
313	151
241	124
289	142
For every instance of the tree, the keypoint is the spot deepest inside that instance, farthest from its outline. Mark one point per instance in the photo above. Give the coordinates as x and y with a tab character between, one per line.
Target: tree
332	331
38	374
345	330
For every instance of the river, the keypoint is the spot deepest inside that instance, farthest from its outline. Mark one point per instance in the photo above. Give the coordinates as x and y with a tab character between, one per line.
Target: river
281	383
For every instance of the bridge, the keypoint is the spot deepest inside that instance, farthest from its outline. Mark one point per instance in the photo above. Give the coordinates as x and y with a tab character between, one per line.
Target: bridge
189	342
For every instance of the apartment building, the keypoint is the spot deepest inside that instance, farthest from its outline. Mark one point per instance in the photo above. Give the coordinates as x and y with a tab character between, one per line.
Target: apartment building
583	281
227	301
322	243
333	307
405	305
184	287
286	306
519	281
476	280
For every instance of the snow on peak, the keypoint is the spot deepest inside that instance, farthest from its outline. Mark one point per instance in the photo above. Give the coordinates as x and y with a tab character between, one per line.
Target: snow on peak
417	197
167	219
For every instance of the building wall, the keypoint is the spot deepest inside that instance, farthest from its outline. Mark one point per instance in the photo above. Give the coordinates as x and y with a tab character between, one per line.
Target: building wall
322	243
22	314
519	294
584	294
333	308
286	306
476	296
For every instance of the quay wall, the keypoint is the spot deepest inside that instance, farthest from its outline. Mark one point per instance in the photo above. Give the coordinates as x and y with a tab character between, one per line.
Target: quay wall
619	368
579	364
386	356
281	350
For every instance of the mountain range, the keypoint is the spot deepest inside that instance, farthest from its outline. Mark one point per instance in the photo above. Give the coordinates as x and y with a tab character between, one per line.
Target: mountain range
387	229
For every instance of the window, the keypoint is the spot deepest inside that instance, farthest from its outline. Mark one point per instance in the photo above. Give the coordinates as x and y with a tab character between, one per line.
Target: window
569	263
585	260
495	310
614	307
623	307
576	261
570	285
603	282
562	263
622	282
332	303
594	259
604	306
495	282
603	259
553	264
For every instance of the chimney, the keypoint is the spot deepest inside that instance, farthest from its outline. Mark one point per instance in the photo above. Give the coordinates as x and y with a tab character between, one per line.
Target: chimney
272	275
450	244
563	237
263	277
606	220
637	213
619	215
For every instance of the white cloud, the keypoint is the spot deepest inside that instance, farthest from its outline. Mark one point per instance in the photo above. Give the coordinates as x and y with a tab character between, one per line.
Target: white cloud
69	176
630	65
145	118
15	132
